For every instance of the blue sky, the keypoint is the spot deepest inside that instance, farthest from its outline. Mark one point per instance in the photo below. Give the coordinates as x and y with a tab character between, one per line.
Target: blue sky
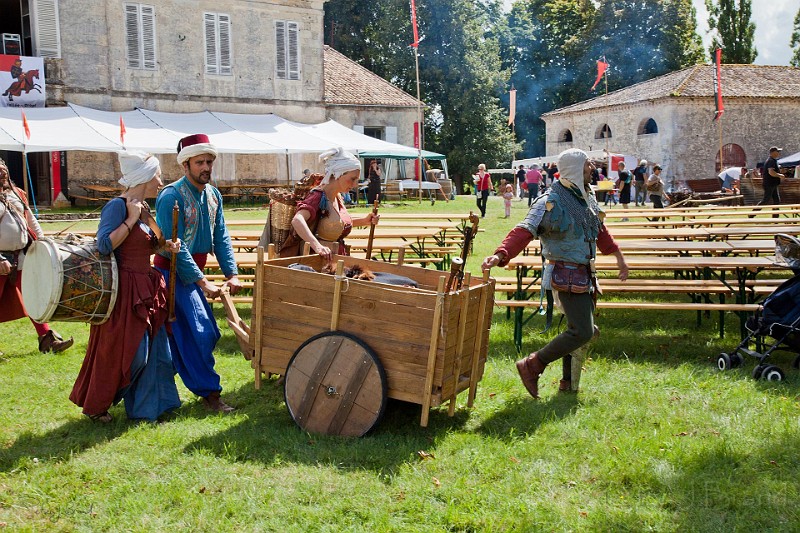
773	18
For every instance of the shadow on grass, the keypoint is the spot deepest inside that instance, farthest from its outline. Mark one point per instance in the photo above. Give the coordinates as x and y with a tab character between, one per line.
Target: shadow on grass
267	434
719	488
670	338
524	415
62	442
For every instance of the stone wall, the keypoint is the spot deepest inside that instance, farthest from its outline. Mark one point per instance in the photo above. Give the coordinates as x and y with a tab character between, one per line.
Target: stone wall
688	139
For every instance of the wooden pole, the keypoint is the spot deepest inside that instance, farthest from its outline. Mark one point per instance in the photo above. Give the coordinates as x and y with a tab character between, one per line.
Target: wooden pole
256	321
719	129
487	289
463	309
605	78
337	295
173	266
434	347
420	118
372	232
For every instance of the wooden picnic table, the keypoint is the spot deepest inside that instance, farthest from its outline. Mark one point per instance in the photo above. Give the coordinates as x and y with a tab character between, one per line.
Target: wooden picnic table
745	269
709	211
659	233
744	232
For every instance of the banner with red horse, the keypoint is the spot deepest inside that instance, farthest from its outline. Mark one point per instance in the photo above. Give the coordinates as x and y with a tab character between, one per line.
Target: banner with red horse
22	81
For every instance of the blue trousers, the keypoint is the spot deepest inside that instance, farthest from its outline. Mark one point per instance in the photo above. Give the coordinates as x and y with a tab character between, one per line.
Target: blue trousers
194	336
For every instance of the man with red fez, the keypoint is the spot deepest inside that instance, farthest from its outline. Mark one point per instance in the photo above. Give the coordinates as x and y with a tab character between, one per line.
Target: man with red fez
202	230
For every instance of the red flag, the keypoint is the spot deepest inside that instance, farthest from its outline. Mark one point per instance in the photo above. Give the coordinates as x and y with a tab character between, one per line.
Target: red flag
602	66
121	131
718	84
25	126
415	44
512	105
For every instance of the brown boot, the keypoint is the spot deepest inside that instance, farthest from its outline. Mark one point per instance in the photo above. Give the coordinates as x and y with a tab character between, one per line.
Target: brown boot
52	342
529	370
214	403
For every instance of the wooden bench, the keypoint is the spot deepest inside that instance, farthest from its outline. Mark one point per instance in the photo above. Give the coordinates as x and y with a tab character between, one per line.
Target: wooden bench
700	307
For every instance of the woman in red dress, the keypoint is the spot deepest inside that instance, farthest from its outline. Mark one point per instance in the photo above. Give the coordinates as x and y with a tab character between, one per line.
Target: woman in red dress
129	356
323	208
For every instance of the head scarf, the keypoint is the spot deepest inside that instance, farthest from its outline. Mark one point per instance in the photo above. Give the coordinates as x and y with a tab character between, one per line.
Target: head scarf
137	168
337	162
194	145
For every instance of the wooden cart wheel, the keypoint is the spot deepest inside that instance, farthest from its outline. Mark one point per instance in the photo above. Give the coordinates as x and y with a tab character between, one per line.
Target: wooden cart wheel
335	385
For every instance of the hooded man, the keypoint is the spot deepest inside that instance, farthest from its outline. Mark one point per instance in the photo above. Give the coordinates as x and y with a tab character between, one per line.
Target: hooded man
569	223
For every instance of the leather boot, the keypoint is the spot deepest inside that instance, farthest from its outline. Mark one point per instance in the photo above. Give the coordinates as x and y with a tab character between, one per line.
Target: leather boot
53	342
565	385
529	370
214	403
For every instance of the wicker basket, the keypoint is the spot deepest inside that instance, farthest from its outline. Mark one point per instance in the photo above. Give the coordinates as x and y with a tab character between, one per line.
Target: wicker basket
280	222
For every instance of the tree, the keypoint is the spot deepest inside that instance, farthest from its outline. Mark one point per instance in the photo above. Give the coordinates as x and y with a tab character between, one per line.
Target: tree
555	45
795	42
460	70
734	30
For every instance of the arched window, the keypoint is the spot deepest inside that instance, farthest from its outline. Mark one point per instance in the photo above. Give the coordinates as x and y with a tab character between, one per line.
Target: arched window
732	156
603	132
565	137
648	126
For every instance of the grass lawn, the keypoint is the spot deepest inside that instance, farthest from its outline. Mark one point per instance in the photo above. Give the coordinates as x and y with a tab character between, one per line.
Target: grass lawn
656	440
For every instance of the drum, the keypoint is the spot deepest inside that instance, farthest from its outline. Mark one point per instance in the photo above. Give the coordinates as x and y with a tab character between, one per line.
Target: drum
68	280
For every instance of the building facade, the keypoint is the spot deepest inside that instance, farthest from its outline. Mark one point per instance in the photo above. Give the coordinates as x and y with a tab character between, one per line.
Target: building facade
183	56
668	120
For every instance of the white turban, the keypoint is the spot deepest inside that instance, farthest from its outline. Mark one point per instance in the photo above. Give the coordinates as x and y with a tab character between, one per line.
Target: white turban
337	162
137	168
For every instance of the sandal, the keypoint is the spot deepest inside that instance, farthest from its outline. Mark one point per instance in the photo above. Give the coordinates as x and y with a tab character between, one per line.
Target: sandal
103	418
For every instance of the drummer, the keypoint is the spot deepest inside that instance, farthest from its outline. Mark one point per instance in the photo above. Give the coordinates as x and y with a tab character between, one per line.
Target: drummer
129	356
17	223
323	208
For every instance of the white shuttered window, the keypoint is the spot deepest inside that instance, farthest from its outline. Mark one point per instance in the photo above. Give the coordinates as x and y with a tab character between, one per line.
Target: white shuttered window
46	32
140	36
218	43
287	50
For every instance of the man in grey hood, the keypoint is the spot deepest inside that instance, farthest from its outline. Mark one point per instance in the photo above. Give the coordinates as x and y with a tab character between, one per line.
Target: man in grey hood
569	224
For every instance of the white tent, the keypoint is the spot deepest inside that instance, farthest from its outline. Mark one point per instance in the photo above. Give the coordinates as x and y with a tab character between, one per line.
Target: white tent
595	155
76	127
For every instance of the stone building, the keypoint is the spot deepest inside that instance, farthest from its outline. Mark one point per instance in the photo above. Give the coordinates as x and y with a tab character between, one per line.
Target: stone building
669	119
182	56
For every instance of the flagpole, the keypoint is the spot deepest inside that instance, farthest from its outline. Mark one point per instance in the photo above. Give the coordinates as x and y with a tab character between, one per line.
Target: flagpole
420	119
605	79
719	128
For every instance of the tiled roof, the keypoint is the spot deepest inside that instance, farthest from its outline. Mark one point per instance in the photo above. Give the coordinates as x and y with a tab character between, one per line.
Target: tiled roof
738	81
347	82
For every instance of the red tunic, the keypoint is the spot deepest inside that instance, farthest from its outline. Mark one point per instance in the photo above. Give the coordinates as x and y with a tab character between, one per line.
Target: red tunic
11	298
11	307
141	306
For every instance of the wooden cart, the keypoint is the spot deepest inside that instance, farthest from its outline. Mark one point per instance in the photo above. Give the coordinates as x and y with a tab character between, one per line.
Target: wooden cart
346	345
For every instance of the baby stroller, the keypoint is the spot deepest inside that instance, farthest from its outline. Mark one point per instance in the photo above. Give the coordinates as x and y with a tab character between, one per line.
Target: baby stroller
778	318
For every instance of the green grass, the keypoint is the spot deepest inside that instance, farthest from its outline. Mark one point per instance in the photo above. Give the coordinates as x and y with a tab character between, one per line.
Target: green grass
656	440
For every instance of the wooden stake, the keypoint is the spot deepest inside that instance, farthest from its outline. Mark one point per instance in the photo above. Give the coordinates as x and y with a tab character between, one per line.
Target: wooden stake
463	309
477	349
371	232
256	325
337	295
434	346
